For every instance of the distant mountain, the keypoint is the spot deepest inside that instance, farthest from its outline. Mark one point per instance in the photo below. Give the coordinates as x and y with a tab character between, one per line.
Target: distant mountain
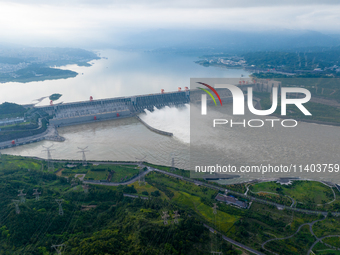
228	41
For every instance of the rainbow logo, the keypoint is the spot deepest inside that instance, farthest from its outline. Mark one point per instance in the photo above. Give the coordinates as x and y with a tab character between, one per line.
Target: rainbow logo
209	93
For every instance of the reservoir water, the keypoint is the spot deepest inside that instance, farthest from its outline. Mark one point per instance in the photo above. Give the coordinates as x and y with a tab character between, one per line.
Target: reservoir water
133	73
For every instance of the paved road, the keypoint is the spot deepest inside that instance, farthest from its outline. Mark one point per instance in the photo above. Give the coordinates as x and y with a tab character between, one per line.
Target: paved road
320	240
134	196
212	187
214	231
293	201
118	183
150	169
51	133
234	242
310	224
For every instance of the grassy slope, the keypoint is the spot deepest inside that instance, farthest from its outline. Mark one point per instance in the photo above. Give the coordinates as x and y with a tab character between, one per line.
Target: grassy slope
101	172
300	190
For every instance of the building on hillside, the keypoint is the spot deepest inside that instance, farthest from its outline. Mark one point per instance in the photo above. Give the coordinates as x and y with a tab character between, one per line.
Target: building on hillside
231	200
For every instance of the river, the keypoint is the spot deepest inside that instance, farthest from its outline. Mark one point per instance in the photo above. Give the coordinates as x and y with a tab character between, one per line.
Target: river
133	73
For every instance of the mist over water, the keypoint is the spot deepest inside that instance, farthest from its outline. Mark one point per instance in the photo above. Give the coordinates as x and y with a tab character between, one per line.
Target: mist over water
170	119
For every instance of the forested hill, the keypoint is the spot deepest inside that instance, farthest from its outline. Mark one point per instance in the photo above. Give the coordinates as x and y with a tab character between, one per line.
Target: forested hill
101	221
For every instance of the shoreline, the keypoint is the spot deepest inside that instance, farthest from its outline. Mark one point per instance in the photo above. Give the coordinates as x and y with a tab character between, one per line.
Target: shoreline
109	162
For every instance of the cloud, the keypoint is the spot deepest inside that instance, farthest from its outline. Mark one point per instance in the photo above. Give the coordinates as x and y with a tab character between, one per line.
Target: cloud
82	20
177	3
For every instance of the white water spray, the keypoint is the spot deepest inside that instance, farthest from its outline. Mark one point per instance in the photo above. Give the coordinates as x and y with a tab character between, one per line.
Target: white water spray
170	119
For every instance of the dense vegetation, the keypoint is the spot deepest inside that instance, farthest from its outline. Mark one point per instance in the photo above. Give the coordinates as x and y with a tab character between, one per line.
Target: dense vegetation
55	96
104	221
102	172
101	221
28	126
181	172
11	110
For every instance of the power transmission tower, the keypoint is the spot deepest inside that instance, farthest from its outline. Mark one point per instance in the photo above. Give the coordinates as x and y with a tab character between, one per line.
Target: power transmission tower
58	248
215	208
215	212
86	188
165	218
59	201
22	196
36	194
73	182
176	216
172	157
141	175
83	150
16	203
49	158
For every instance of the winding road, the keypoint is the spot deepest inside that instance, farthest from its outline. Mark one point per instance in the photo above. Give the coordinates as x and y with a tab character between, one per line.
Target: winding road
150	169
310	224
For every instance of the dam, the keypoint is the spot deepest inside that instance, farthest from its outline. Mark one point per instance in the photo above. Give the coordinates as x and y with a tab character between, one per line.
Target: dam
92	111
112	108
74	113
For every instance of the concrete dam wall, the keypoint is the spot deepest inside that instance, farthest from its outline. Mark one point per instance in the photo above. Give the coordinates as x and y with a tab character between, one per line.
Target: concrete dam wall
60	122
161	132
67	114
113	108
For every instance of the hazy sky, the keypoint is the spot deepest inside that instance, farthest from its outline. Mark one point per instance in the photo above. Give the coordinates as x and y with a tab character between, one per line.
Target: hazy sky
60	22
